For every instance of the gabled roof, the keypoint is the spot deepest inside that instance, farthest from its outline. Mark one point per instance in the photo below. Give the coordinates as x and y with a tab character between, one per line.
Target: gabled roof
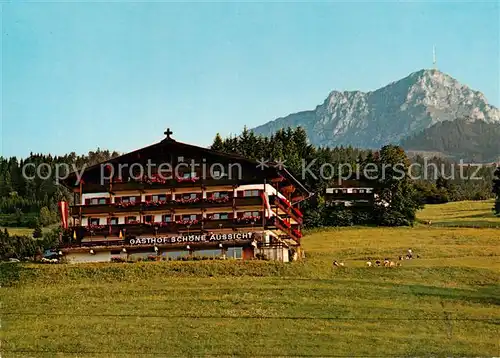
170	145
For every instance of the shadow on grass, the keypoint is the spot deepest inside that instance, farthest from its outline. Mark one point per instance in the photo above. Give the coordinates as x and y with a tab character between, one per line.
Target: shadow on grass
485	295
468	224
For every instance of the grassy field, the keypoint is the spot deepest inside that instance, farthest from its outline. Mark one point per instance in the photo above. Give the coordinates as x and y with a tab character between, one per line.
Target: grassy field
446	303
26	231
461	214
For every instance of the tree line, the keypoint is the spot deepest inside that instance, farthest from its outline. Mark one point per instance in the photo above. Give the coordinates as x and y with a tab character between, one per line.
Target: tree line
26	202
432	180
33	202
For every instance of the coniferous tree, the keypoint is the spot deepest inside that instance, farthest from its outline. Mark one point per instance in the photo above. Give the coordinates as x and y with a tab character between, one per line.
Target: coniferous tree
397	199
37	232
496	191
218	143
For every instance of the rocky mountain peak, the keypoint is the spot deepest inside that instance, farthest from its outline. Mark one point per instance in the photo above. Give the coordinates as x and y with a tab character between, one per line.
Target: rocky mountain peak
389	114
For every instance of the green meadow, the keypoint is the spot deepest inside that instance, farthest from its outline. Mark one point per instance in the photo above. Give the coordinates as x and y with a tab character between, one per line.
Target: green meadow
445	303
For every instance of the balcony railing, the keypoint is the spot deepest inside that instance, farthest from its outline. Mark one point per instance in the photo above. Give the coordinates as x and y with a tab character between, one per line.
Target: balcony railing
164	205
286	227
136	229
285	206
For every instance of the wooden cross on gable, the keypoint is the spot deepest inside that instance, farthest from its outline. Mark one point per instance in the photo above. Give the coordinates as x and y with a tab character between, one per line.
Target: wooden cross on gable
168	133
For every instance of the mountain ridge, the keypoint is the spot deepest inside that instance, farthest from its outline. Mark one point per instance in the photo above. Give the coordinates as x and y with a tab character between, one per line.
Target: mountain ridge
389	114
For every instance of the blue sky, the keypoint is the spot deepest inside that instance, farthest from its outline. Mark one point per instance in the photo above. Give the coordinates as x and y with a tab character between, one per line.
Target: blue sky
79	76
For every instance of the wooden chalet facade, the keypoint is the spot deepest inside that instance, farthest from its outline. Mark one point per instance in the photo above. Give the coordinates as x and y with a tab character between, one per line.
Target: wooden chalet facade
172	199
352	193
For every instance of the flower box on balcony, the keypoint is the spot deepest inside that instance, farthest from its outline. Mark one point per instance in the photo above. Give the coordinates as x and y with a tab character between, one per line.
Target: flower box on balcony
161	224
186	222
223	199
187	201
155	203
154	179
187	180
248	219
126	204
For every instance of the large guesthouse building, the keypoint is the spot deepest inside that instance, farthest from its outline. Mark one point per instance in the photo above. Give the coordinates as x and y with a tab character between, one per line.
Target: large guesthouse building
173	200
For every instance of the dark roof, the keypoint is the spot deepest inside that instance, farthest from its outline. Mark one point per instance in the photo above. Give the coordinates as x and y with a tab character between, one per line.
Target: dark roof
171	143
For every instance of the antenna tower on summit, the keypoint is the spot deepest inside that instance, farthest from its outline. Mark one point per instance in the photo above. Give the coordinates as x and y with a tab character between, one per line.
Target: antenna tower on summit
434	57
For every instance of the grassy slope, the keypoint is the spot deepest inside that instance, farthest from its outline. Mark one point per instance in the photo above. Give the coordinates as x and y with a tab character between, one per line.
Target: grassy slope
446	303
26	231
462	214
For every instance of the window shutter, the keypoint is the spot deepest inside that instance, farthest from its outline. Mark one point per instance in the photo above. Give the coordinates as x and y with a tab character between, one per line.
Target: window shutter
230	215
149	197
138	199
118	200
178	217
239	214
87	201
108	200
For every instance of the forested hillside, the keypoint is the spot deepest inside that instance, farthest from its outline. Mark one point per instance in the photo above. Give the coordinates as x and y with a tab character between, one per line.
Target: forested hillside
472	141
443	180
26	202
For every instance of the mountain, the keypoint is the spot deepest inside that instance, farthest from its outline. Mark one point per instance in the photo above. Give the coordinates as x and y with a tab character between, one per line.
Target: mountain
389	114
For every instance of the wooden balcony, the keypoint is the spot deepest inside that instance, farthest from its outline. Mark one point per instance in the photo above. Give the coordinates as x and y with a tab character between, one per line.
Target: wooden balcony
164	206
166	228
285	227
288	209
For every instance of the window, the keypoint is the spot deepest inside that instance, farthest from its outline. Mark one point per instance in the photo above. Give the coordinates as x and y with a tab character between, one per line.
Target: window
189	217
167	218
94	221
161	197
176	254
189	196
234	252
130	219
220	216
189	175
247	214
220	194
361	191
180	159
128	199
148	218
113	221
207	253
354	191
251	193
97	201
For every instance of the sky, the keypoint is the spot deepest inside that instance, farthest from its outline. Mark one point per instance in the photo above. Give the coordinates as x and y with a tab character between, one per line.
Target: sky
76	76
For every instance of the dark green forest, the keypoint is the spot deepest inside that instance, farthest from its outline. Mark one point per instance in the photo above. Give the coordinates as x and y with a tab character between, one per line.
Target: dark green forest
441	182
28	202
496	191
473	141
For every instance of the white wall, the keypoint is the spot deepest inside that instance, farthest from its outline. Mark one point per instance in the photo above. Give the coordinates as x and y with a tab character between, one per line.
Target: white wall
79	257
276	253
94	195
